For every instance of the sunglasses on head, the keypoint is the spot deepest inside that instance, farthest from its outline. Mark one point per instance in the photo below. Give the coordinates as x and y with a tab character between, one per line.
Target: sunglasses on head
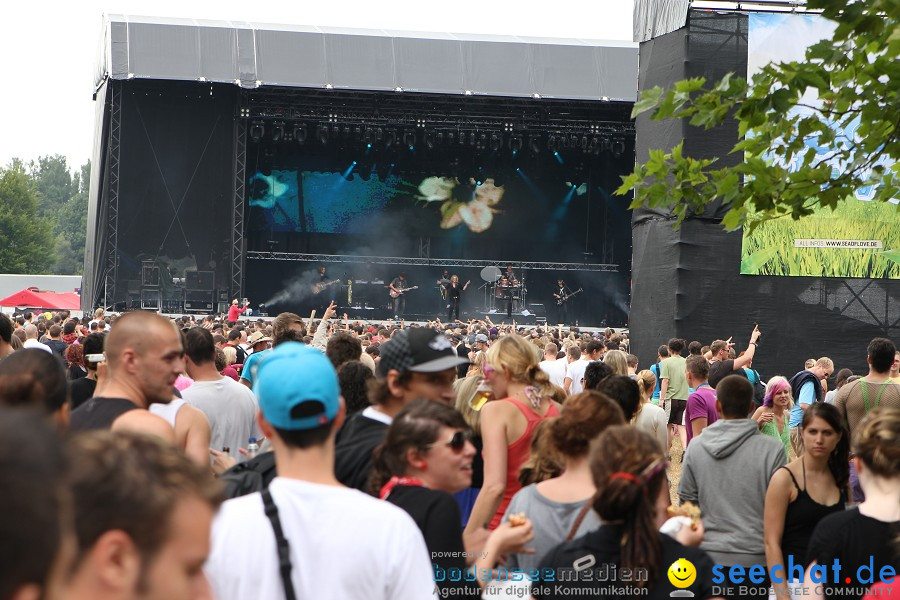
457	442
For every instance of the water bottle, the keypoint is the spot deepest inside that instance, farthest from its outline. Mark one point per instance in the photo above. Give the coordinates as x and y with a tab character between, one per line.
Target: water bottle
252	448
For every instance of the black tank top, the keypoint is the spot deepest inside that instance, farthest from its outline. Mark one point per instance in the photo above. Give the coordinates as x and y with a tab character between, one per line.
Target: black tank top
99	413
803	514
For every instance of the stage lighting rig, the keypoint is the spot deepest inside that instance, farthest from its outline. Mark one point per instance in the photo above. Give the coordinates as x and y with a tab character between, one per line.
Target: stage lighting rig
277	131
300	133
322	134
257	131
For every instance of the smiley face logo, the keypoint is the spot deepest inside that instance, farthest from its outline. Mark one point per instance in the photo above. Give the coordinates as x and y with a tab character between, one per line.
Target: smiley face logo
682	573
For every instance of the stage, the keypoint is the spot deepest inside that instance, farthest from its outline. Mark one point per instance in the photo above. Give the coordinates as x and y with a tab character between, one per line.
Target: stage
217	187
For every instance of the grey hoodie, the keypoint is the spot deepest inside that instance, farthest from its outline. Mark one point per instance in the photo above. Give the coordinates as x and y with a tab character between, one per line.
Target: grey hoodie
726	471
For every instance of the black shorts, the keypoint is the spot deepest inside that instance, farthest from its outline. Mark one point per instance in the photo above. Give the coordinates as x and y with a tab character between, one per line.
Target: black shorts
677	414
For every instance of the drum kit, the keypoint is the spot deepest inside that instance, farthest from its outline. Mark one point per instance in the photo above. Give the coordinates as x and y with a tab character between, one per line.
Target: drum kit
499	290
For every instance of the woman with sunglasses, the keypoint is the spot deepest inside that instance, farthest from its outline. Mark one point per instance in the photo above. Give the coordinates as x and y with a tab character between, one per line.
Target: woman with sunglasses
425	458
523	399
629	472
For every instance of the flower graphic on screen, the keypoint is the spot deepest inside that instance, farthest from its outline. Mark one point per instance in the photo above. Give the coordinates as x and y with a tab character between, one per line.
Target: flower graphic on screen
463	203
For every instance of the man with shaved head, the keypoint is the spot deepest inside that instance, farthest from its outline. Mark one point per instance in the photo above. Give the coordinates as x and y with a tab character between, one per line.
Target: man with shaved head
31	339
144	356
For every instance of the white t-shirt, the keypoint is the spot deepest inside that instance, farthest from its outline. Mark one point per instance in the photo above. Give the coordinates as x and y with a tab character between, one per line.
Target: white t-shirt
168	411
575	372
555	370
344	544
231	410
33	343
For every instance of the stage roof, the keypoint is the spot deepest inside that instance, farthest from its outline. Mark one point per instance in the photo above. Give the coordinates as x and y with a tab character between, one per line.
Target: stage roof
257	54
36	299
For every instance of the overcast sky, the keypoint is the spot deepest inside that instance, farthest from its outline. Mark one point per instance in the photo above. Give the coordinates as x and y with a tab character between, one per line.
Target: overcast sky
49	48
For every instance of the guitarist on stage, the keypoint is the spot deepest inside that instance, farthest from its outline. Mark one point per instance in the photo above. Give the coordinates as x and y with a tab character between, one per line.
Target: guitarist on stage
398	286
453	291
561	295
324	290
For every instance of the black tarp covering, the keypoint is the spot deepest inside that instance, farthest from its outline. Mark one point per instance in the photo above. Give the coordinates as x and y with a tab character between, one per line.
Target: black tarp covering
175	182
687	282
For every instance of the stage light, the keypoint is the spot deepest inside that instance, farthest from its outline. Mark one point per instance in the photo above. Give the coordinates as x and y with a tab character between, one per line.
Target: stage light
409	139
552	144
300	133
368	146
429	141
534	144
257	131
496	142
390	137
322	134
515	143
439	138
451	137
277	131
618	148
478	183
472	139
482	141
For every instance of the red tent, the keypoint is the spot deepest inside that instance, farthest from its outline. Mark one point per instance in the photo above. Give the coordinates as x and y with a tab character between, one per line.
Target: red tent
32	298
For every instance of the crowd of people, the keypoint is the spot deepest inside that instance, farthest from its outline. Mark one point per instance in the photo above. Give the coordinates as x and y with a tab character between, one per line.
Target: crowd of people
157	457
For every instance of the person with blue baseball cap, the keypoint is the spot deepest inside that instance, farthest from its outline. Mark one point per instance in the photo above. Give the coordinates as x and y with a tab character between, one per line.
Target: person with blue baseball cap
308	536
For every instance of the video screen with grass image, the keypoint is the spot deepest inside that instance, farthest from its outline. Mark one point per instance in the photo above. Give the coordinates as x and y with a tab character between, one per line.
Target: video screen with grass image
861	237
828	244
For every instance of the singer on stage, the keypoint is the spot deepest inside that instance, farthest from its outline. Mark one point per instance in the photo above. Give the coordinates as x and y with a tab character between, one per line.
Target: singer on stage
454	291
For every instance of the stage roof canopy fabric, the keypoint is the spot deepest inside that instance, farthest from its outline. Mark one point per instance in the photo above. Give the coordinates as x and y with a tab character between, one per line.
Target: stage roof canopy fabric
34	299
254	54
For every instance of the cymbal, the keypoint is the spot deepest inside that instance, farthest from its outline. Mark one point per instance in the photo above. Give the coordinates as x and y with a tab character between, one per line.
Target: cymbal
490	274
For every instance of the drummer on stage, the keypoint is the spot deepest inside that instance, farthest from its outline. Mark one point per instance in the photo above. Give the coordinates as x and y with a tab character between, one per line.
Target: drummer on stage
511	276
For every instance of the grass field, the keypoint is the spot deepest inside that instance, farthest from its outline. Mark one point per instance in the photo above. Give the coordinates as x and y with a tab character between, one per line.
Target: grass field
770	250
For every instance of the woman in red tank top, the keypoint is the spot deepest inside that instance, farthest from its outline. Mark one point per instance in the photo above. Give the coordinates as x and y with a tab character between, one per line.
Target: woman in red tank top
523	394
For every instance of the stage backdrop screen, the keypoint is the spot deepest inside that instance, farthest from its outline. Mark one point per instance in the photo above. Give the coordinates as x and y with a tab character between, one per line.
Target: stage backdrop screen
861	238
316	202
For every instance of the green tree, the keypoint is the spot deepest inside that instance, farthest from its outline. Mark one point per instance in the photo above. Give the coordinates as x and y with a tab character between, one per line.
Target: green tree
53	185
27	245
855	75
71	225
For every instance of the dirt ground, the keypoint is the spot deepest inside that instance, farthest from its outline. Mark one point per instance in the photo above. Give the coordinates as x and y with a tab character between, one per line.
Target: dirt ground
674	470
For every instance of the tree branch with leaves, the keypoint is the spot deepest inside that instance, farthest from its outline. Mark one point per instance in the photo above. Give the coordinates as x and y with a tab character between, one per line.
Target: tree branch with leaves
855	78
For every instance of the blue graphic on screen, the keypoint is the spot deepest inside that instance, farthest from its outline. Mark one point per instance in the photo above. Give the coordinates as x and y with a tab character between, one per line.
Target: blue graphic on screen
331	204
276	193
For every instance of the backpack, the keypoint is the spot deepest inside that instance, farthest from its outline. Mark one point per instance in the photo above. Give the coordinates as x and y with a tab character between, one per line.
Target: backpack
255	475
759	388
